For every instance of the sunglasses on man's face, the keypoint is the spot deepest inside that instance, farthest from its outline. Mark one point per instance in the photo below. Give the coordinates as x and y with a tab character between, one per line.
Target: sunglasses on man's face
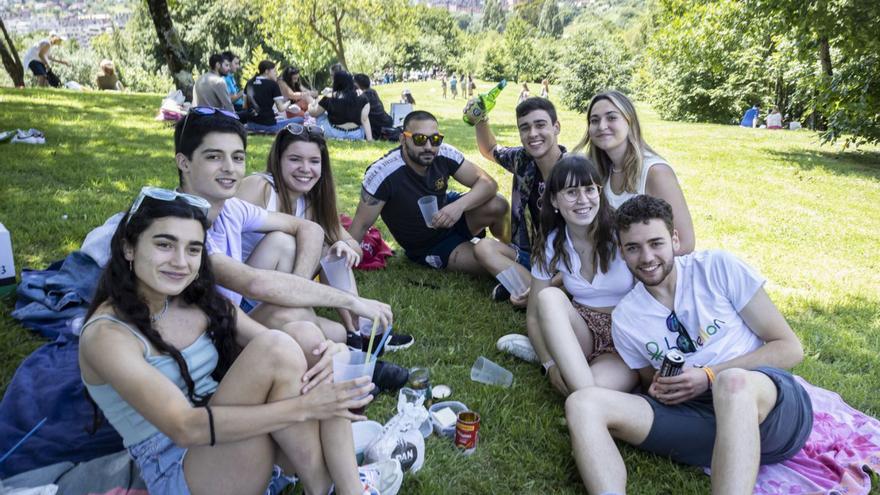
420	139
299	129
160	194
683	341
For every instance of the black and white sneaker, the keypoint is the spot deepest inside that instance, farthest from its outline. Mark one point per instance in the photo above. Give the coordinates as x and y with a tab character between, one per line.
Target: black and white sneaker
354	342
389	377
500	293
399	341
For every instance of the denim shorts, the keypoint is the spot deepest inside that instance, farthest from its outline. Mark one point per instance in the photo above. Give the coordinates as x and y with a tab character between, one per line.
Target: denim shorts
523	257
161	465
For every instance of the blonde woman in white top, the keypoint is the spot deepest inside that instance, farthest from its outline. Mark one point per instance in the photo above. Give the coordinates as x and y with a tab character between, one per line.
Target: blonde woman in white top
628	165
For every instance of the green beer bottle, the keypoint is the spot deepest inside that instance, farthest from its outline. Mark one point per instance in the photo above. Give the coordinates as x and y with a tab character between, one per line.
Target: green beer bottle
484	103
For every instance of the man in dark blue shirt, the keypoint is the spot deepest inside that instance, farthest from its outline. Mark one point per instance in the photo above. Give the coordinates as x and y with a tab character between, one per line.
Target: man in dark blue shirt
420	167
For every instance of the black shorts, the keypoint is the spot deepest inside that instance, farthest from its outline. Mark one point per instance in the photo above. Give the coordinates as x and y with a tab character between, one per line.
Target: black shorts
437	256
37	68
686	432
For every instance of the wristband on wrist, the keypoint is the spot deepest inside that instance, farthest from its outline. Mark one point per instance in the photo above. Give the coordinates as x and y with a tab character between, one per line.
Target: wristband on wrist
710	374
211	424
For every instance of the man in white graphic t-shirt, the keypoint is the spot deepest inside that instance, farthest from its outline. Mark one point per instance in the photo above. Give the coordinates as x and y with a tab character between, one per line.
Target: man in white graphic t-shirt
733	407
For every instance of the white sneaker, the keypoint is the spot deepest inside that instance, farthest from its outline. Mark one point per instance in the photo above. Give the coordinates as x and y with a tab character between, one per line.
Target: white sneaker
31	136
519	346
382	478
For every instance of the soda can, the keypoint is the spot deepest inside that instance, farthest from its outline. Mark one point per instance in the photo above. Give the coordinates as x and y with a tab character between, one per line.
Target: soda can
672	364
467	430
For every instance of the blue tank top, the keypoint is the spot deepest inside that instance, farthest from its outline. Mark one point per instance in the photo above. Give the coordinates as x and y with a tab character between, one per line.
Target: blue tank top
201	357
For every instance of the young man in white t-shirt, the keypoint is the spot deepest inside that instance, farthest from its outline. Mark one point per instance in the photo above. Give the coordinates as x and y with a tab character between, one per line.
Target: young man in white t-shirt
732	407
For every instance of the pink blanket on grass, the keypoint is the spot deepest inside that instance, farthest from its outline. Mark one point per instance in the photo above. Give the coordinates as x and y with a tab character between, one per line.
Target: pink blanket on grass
844	444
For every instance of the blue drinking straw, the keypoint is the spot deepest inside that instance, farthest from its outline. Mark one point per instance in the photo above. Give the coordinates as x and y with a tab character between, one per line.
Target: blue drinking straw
28	435
382	343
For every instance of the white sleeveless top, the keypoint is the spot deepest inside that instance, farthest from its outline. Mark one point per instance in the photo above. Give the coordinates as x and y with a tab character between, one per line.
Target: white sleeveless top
615	200
249	240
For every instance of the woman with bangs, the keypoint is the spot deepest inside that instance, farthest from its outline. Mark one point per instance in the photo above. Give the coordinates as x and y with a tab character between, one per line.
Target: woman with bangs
206	400
629	166
299	181
576	239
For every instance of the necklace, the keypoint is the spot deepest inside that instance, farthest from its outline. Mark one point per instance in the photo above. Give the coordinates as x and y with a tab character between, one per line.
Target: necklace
158	316
616	170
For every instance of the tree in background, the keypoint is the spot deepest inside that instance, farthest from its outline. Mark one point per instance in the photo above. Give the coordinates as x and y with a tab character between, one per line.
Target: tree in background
10	58
593	60
172	47
550	21
494	17
329	24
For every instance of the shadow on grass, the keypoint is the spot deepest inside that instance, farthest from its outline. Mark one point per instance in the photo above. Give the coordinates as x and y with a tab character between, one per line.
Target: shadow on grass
859	163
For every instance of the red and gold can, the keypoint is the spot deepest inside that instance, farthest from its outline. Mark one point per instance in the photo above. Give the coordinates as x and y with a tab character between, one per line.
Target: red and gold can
467	430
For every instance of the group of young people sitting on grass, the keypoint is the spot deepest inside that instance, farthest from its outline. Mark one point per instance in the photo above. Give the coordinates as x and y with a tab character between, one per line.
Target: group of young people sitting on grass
220	390
348	110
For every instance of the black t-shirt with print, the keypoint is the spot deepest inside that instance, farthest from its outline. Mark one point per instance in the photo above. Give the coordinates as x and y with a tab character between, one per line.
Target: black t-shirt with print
264	91
391	180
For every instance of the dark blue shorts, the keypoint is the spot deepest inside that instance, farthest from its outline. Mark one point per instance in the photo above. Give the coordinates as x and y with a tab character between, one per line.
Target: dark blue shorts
37	68
686	432
523	257
437	256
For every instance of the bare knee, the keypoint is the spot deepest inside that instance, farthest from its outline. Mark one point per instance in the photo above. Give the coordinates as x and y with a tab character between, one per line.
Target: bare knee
283	245
486	249
497	206
584	405
731	384
549	299
280	352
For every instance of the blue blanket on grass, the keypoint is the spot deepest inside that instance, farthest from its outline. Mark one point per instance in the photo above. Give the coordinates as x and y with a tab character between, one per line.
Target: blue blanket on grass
48	384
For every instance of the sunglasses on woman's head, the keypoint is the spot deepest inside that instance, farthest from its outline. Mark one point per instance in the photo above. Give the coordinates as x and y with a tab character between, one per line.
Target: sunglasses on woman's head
299	129
683	341
160	194
421	139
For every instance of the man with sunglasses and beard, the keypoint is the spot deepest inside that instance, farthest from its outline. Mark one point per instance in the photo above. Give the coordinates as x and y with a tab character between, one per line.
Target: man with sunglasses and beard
733	407
421	167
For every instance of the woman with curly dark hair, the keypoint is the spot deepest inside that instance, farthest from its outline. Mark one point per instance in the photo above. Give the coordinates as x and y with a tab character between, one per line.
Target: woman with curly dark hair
205	399
576	240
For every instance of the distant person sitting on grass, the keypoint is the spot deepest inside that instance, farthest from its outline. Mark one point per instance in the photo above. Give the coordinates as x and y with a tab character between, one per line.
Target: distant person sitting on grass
629	166
232	86
420	168
299	181
264	96
379	118
750	118
774	119
733	407
207	400
107	80
576	240
210	89
344	114
37	59
295	91
407	97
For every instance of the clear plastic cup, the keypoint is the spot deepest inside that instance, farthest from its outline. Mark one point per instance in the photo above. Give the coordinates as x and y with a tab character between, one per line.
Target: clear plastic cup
337	272
349	366
511	281
485	371
428	205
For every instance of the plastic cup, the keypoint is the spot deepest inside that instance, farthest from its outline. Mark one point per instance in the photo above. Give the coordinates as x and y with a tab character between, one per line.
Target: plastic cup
337	272
428	205
485	371
511	281
349	366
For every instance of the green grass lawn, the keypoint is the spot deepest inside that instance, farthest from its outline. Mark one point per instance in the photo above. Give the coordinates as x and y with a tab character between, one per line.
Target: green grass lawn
804	215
